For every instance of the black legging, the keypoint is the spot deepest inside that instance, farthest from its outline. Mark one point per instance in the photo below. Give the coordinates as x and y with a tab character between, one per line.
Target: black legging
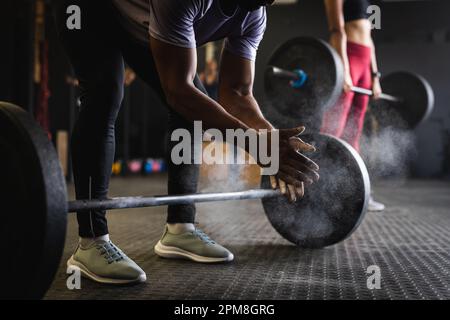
97	53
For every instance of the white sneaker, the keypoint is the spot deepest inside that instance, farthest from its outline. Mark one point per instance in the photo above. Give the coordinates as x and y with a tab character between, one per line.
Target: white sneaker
375	206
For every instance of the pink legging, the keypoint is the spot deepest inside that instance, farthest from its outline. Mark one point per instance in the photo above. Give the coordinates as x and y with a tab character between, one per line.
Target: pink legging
346	119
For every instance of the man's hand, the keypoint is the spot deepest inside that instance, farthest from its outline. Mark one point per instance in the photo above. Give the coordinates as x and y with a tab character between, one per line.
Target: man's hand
296	169
376	88
236	96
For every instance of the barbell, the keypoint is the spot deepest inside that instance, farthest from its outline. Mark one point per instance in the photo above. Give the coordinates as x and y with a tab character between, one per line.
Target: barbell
34	202
298	79
305	77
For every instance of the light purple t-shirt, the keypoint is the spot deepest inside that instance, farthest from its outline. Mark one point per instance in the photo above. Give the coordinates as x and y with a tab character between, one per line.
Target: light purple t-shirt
192	23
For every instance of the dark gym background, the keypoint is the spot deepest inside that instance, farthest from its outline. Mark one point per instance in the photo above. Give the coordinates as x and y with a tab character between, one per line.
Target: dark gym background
415	36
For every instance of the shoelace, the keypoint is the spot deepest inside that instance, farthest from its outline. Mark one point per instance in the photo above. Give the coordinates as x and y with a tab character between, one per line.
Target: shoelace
110	252
203	236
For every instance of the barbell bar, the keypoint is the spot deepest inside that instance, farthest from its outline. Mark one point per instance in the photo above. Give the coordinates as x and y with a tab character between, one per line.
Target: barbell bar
294	76
140	202
369	93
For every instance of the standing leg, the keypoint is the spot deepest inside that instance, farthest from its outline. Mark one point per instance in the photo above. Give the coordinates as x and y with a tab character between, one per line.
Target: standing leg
355	123
181	239
98	65
359	58
183	178
93	141
335	119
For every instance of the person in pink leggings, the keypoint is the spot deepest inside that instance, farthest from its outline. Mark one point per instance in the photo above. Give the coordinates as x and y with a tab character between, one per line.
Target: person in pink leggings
351	36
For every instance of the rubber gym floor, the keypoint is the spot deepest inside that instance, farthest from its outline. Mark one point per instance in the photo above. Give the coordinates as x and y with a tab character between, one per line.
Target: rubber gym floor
409	242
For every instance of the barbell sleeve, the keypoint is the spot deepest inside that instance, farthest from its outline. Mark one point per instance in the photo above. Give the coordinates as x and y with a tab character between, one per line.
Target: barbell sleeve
141	202
282	73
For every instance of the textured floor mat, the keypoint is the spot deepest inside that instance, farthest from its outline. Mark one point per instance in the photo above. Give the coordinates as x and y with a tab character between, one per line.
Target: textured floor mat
409	242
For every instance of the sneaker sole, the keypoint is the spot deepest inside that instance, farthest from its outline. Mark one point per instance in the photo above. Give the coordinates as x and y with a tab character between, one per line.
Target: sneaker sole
379	209
90	275
177	253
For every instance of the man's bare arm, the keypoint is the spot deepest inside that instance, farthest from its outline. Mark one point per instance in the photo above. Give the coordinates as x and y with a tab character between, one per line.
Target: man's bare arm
236	91
177	68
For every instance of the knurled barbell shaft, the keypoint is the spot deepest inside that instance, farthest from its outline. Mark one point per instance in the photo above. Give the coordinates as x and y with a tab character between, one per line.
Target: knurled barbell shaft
140	202
294	76
383	96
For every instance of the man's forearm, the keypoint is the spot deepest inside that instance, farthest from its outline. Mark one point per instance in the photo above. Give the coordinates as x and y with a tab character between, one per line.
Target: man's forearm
246	109
192	104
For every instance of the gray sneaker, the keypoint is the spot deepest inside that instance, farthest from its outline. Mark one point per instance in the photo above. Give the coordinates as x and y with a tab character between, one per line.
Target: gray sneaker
103	262
195	245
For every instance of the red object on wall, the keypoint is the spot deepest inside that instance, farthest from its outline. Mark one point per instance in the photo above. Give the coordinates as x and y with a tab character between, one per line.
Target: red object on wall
41	110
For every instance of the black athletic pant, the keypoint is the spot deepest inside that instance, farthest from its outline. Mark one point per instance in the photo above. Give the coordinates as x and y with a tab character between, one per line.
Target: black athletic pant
97	53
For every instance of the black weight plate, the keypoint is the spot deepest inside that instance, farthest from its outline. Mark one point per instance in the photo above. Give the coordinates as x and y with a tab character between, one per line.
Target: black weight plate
289	107
333	207
417	100
34	206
